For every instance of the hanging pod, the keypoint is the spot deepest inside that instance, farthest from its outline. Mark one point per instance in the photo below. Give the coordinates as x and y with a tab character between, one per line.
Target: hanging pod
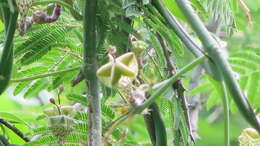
6	60
118	70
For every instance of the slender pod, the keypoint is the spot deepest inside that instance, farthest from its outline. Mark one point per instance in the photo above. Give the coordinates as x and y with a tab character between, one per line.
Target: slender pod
155	126
214	52
160	130
6	61
5	14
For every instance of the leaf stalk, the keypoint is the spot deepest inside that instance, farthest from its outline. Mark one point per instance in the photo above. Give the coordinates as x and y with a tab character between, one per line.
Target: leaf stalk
45	75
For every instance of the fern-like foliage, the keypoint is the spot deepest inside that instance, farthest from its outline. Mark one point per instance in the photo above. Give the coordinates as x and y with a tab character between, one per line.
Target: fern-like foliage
40	42
52	42
246	65
77	137
221	11
55	60
55	47
157	23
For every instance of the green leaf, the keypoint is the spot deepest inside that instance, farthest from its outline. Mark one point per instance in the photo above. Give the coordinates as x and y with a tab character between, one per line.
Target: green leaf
212	100
20	87
253	87
36	87
200	88
78	98
107	111
1	26
9	116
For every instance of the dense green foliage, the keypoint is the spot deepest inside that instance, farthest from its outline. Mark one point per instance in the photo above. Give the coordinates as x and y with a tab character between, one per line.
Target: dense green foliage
49	63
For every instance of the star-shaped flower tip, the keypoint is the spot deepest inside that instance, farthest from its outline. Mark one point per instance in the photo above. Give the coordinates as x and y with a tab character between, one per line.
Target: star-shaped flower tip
124	66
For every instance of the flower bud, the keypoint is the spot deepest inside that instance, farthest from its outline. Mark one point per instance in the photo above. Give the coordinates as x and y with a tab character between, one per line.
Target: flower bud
52	101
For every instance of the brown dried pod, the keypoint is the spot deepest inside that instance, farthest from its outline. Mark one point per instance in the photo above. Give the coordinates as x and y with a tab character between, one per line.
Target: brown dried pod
41	18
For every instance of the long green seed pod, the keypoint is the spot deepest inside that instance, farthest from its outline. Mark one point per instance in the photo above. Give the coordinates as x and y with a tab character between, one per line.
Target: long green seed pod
155	126
214	52
160	130
6	61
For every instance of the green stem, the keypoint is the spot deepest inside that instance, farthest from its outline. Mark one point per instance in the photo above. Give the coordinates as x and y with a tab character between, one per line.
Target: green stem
220	87
196	24
90	60
169	82
222	67
155	95
226	113
45	75
109	129
188	41
178	29
72	53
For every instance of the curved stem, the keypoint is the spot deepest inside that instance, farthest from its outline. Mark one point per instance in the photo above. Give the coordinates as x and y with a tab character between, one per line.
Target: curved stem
71	53
221	67
14	129
221	89
191	44
109	129
170	81
188	41
45	75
